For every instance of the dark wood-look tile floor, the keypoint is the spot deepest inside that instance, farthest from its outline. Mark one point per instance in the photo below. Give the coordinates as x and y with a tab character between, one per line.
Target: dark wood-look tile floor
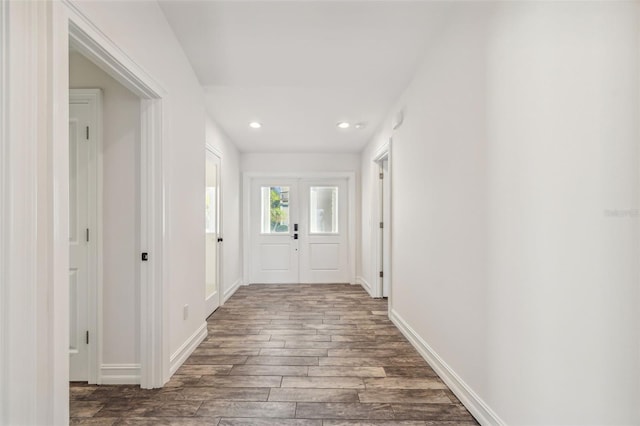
304	355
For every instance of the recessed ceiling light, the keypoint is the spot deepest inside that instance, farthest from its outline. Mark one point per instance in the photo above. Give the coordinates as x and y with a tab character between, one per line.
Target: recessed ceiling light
360	125
255	125
343	125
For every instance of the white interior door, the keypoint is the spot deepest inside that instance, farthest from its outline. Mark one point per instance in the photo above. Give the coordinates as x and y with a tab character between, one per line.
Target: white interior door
79	120
386	228
273	215
212	232
324	252
299	231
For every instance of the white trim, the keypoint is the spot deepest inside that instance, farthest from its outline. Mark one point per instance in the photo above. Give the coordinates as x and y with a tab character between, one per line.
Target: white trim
120	374
472	401
4	196
231	290
93	97
365	284
247	177
35	323
215	151
352	242
382	152
94	44
187	348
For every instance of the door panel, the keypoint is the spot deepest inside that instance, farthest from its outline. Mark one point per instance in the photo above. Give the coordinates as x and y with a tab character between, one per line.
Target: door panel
78	245
212	232
274	205
324	253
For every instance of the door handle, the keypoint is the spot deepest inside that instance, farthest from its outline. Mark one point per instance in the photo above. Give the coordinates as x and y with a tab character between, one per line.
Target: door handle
295	236
219	240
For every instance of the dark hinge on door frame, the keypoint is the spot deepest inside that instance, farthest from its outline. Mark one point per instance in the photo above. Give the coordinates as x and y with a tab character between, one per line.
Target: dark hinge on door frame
87	337
87	234
381	175
87	132
381	225
381	274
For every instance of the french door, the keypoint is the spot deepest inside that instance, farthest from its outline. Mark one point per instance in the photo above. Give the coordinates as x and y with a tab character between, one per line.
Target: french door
299	231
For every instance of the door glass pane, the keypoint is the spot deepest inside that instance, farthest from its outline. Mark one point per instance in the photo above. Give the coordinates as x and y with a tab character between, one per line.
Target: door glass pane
275	209
323	209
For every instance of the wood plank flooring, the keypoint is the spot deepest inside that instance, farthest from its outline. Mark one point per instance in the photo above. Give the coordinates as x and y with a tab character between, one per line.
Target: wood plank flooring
304	355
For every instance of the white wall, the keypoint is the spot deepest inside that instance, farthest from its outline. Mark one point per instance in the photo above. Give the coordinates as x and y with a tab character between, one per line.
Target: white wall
121	159
231	258
294	163
520	138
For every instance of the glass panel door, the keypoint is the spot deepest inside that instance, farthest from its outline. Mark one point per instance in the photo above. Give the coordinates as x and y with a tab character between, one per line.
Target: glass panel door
274	245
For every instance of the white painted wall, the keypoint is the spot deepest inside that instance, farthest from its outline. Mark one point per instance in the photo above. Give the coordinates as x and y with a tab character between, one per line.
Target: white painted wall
231	258
121	171
520	138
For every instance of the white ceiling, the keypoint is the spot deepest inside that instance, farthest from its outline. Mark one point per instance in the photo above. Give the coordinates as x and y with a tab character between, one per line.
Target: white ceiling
299	67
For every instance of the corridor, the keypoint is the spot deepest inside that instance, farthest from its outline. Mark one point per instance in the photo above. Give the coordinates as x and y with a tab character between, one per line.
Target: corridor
288	355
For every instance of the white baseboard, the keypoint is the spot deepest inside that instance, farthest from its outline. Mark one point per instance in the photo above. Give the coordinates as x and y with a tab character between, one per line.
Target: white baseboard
229	292
119	374
187	348
480	410
363	282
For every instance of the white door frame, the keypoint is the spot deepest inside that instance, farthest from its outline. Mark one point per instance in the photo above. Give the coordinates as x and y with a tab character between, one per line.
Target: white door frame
4	212
219	248
95	45
94	221
381	154
248	177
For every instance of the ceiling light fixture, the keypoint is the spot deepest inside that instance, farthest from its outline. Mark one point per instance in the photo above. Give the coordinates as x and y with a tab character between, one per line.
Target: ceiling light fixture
255	125
343	125
360	125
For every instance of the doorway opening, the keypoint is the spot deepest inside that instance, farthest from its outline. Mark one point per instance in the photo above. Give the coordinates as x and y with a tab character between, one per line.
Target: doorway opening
104	226
213	236
382	262
150	346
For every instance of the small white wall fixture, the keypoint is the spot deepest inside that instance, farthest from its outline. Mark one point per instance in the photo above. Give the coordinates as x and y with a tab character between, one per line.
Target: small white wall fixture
92	43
